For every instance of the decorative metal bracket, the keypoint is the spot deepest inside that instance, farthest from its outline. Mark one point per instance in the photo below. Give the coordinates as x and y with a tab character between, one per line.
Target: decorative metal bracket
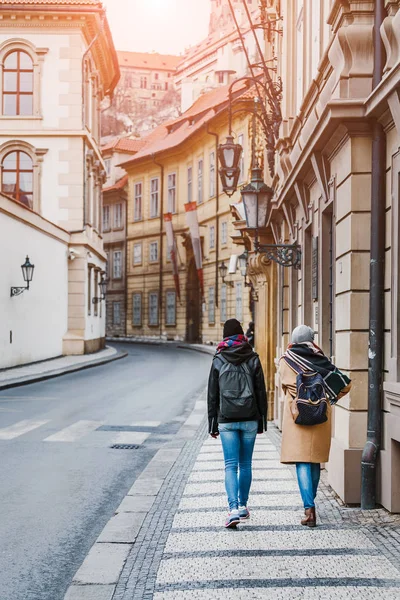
17	291
287	255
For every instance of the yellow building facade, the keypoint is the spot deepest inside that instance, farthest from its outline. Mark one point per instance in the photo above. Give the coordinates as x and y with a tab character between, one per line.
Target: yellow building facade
177	166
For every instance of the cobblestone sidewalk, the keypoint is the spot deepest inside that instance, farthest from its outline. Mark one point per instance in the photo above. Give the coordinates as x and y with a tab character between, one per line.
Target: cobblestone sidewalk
185	553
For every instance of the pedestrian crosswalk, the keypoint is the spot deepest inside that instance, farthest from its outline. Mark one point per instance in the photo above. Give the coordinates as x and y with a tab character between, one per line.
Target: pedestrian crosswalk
78	431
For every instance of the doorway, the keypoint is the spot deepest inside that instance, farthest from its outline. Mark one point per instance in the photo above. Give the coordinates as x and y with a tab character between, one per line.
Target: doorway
193	305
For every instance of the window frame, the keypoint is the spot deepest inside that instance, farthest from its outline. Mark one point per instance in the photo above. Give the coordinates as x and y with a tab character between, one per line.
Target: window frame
116	226
114	263
190	184
154	243
239	297
224	303
224	233
211	237
211	305
134	262
18	93
16	194
138	202
167	322
212	175
171	201
154	198
137	295
200	178
106	207
157	295
116	303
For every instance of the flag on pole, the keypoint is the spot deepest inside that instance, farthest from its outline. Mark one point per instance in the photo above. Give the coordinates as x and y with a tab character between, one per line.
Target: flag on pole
193	224
172	250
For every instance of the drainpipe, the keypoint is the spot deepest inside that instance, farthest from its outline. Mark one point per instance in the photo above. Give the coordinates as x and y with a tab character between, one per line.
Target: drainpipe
217	214
160	285
377	269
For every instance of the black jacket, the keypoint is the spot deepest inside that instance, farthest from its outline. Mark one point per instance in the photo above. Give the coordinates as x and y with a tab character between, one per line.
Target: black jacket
237	355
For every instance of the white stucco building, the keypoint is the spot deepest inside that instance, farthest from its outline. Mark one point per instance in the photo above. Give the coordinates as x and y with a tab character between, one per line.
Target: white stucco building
57	63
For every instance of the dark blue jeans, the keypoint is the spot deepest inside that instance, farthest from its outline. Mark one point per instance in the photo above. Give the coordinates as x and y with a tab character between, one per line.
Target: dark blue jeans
308	475
238	444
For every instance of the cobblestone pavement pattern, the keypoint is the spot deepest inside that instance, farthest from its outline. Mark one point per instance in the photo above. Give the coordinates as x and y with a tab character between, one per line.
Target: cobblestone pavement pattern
184	552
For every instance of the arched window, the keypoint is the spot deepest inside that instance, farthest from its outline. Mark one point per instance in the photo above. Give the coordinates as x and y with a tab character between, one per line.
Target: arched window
18	84
17	177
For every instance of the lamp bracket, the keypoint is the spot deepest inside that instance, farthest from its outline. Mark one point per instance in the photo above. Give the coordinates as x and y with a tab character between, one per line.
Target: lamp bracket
287	255
17	291
229	283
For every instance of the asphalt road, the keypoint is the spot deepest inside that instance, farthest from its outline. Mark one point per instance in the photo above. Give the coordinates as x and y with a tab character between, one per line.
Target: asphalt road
60	480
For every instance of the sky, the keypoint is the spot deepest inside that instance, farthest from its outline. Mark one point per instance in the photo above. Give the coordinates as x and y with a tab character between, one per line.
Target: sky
166	26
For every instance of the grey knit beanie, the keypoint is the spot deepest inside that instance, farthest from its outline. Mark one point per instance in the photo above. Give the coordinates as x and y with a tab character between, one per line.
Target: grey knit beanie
302	334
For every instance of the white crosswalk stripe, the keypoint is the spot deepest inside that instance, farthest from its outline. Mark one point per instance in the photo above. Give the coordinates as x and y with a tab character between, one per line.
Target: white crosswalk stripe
131	437
20	428
74	432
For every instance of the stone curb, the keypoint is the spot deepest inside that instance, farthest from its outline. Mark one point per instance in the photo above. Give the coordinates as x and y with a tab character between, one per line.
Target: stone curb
99	573
20	381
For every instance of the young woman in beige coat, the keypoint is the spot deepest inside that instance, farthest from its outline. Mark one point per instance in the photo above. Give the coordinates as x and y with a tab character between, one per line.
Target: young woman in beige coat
308	446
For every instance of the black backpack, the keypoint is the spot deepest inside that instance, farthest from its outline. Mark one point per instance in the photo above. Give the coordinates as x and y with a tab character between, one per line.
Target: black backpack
236	391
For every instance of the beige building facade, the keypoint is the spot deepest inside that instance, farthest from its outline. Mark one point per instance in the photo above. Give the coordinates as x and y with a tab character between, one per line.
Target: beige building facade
57	63
322	201
177	167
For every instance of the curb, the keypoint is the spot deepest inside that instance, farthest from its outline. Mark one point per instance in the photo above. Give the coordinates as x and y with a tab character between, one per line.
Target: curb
21	381
102	568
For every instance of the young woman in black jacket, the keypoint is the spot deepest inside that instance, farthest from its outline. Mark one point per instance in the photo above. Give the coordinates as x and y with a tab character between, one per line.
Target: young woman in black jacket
237	410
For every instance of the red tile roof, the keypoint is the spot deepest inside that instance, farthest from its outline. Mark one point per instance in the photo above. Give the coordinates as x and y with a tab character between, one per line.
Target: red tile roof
124	145
152	61
172	134
119	185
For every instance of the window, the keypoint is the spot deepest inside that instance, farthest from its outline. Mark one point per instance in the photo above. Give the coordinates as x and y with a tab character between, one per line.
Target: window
153	308
117	264
107	163
137	309
223	303
211	305
17	177
18	84
171	308
106	218
154	184
116	313
137	254
212	174
224	233
143	83
241	162
239	302
200	182
166	86
190	184
212	237
137	210
89	290
153	251
118	216
172	193
107	265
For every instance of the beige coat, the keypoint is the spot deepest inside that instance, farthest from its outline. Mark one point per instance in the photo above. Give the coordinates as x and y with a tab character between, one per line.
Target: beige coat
302	443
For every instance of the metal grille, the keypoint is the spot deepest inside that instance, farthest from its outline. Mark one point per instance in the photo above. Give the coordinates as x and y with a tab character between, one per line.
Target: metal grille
124	447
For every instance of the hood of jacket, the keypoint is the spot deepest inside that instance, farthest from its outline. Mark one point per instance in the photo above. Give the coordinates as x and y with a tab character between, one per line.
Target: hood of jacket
237	354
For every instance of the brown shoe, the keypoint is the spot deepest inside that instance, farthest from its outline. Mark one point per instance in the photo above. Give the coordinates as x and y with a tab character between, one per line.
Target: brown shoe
311	518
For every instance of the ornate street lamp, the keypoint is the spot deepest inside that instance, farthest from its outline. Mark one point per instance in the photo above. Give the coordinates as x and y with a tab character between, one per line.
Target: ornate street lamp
229	158
243	260
223	271
27	273
103	290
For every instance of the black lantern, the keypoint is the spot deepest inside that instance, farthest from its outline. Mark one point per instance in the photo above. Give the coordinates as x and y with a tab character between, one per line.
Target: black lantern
242	262
223	271
229	157
103	290
27	273
256	198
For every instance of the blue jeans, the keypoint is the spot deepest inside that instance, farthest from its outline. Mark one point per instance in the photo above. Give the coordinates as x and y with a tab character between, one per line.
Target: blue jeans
238	444
308	475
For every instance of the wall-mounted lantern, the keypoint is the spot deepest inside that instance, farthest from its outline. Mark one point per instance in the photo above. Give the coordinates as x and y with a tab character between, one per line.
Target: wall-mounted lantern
223	271
103	290
229	158
243	262
27	273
